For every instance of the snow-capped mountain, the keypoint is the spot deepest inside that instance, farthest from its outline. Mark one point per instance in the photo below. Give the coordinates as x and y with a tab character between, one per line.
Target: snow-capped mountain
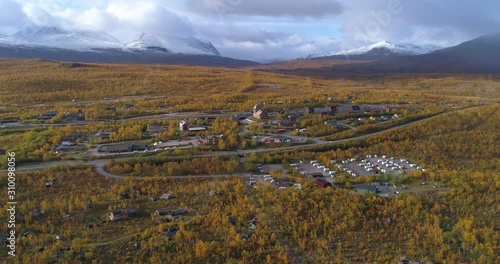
54	37
383	49
146	42
205	46
171	43
58	38
53	43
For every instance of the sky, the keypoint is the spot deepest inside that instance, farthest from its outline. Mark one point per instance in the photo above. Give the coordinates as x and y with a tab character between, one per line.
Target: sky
266	30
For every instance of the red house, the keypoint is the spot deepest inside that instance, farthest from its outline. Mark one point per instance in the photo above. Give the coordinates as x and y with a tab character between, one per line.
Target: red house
323	183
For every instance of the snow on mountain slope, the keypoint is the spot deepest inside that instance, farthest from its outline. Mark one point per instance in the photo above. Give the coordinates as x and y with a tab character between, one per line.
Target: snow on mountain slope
146	42
59	38
174	44
388	48
54	37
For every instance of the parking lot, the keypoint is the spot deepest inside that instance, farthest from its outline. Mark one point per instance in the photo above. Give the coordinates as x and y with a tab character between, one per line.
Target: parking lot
314	169
373	165
267	168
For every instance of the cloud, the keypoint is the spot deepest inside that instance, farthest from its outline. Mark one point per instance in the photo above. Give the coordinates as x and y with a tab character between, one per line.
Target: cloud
274	8
447	22
12	16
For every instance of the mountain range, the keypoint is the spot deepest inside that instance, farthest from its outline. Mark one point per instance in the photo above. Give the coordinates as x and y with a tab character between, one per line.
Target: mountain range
379	50
480	55
54	43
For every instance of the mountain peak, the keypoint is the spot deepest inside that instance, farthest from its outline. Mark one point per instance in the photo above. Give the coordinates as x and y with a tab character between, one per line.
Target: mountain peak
172	43
60	38
383	49
146	41
39	31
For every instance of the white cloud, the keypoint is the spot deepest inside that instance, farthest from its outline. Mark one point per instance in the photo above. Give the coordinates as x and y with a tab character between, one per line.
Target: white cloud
274	8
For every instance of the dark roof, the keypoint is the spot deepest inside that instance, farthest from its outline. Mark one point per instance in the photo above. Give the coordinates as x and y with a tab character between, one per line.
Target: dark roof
123	148
131	211
282	182
51	113
118	213
355	108
178	212
323	183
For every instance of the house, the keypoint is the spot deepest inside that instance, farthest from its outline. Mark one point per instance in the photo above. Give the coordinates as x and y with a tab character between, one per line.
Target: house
153	198
166	196
323	183
170	234
90	225
365	188
122	148
252	223
67	143
154	129
259	113
75	117
184	126
171	231
332	110
317	174
111	108
36	213
160	212
354	109
174	215
49	115
131	212
117	215
124	195
2	152
232	220
104	135
242	116
292	117
246	236
282	183
213	193
120	214
10	120
209	140
286	123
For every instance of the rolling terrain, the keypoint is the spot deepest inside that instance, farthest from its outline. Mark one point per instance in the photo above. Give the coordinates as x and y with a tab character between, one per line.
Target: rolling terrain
480	55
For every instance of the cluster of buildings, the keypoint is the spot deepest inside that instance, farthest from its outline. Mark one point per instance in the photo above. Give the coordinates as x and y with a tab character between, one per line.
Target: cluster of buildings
121	214
69	117
185	127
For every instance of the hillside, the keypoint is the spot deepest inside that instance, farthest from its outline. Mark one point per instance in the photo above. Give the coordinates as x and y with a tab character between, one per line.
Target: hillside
476	56
121	56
